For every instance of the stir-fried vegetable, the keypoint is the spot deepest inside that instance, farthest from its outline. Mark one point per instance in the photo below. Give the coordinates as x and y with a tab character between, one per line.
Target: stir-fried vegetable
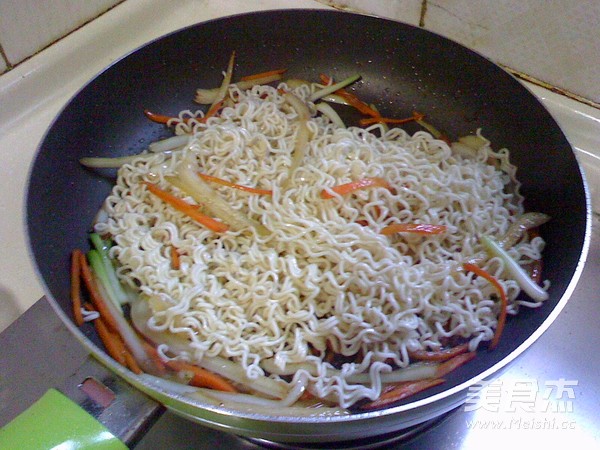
115	320
136	352
440	355
348	188
261	75
503	299
188	209
389	120
517	272
302	135
349	98
518	228
334	87
402	391
197	376
76	302
199	190
235	186
106	271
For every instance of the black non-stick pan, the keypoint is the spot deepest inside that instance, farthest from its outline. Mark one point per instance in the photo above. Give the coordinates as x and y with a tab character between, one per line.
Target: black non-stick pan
403	69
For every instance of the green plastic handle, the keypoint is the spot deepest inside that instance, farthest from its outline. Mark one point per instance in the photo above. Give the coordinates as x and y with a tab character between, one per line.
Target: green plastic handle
55	421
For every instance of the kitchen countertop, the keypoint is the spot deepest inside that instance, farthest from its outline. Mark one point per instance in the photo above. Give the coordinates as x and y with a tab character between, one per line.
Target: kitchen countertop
33	93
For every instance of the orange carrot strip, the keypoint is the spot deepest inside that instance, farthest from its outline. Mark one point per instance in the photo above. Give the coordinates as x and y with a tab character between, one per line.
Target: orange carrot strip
175	261
130	361
76	286
114	346
402	391
235	186
161	118
263	74
187	209
448	366
352	99
214	109
158	118
419	228
201	377
503	300
372	120
440	355
363	183
96	298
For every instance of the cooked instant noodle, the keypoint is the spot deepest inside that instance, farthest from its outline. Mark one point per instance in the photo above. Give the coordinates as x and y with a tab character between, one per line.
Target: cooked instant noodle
310	291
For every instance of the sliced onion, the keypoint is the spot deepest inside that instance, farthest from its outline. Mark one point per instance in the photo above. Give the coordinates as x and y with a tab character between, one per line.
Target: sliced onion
330	113
204	194
170	143
299	386
413	372
520	226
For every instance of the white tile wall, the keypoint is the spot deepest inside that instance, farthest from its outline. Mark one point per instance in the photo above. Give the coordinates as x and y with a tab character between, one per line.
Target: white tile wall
27	26
554	41
407	11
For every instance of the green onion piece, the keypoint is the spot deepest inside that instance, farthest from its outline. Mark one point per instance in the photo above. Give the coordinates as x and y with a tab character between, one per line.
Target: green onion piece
334	87
114	288
516	271
97	266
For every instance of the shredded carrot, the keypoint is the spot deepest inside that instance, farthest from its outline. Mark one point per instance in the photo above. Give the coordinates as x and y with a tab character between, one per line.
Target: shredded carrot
418	228
503	300
201	377
112	342
235	186
352	99
440	355
158	118
130	361
448	366
372	120
187	209
401	391
213	110
76	286
96	298
269	73
175	261
161	118
363	183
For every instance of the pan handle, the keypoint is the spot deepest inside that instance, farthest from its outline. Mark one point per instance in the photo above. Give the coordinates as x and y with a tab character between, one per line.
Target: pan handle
41	356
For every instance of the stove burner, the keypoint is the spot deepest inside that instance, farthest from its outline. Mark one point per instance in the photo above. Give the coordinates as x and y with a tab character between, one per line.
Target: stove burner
374	442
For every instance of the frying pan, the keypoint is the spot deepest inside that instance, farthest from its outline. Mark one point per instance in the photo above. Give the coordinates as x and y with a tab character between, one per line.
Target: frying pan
403	69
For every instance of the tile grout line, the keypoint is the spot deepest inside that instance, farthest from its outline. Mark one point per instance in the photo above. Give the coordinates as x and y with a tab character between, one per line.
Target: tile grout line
423	12
550	87
9	66
524	76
